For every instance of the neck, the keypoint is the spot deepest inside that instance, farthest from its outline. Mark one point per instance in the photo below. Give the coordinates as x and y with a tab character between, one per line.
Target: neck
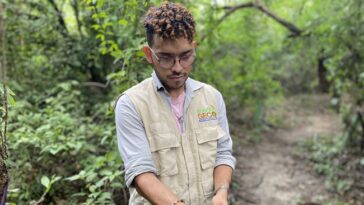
176	92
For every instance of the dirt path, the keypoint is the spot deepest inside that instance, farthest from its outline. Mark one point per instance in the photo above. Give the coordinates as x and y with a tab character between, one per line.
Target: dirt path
271	172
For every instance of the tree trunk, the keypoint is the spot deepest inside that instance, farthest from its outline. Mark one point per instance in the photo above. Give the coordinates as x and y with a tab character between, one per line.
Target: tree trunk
4	178
3	152
324	84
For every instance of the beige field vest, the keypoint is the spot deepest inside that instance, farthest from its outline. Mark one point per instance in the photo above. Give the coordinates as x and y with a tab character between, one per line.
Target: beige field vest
185	162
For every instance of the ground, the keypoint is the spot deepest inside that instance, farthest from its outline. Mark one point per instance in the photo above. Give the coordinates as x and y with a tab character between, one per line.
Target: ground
271	171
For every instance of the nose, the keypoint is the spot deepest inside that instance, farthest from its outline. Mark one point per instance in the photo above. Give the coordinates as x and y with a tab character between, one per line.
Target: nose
177	66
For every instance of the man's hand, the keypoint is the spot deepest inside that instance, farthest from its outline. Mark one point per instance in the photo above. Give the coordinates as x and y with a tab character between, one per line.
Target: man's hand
220	198
152	189
222	178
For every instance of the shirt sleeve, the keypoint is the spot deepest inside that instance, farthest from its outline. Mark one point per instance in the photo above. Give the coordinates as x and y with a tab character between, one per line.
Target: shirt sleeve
224	144
132	141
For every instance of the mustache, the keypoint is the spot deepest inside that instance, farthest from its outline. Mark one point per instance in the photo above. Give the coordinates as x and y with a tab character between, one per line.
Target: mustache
176	75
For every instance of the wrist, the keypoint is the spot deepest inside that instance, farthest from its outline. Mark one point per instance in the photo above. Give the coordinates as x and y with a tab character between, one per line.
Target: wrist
222	190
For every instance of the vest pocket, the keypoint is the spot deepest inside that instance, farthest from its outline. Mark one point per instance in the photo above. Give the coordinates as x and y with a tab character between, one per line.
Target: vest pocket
164	148
208	189
207	144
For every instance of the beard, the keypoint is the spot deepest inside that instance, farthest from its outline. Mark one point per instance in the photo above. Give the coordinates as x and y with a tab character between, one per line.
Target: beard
174	81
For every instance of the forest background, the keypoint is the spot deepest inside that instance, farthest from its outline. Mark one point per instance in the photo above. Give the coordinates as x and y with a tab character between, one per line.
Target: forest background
63	63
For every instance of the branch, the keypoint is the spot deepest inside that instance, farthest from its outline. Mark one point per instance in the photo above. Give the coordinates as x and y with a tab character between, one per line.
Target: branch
74	4
294	29
97	84
61	21
40	200
258	5
232	9
361	120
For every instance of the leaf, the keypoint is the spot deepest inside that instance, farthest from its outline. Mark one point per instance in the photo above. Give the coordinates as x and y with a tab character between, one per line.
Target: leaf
361	75
100	3
11	100
54	179
123	22
73	178
103	50
362	161
13	94
102	15
92	188
100	183
95	26
45	181
117	54
106	24
95	16
103	140
106	172
14	190
140	54
81	175
105	195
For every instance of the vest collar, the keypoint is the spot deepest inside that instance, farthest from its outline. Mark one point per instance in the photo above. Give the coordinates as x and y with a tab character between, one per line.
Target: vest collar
191	84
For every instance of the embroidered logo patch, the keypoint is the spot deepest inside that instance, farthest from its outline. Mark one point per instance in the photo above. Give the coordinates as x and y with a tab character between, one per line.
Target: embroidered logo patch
207	114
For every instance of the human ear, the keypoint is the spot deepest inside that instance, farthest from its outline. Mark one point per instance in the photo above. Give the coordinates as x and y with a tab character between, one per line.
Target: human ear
194	44
148	54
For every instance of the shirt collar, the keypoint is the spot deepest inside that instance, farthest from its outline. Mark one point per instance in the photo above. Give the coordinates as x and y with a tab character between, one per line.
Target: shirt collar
191	85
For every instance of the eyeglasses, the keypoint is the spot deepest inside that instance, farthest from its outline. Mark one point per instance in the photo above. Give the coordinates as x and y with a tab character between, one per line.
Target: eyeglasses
168	62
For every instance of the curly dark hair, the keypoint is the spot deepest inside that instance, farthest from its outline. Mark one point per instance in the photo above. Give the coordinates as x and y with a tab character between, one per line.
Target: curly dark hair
169	21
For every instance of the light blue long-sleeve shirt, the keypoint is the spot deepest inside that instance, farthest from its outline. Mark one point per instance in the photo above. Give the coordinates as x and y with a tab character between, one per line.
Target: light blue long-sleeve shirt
132	140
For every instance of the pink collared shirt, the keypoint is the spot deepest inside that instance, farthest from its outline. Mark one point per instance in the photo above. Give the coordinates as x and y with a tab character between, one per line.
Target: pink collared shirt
177	110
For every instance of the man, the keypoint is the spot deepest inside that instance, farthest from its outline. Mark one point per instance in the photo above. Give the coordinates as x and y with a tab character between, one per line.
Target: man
172	130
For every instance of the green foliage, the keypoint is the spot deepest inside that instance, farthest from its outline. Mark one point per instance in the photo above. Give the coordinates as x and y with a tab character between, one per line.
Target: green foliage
68	60
118	31
55	137
346	70
337	37
326	153
47	183
9	96
245	77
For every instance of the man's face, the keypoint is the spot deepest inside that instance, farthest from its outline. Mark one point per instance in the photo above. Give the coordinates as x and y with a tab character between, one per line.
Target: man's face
173	77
